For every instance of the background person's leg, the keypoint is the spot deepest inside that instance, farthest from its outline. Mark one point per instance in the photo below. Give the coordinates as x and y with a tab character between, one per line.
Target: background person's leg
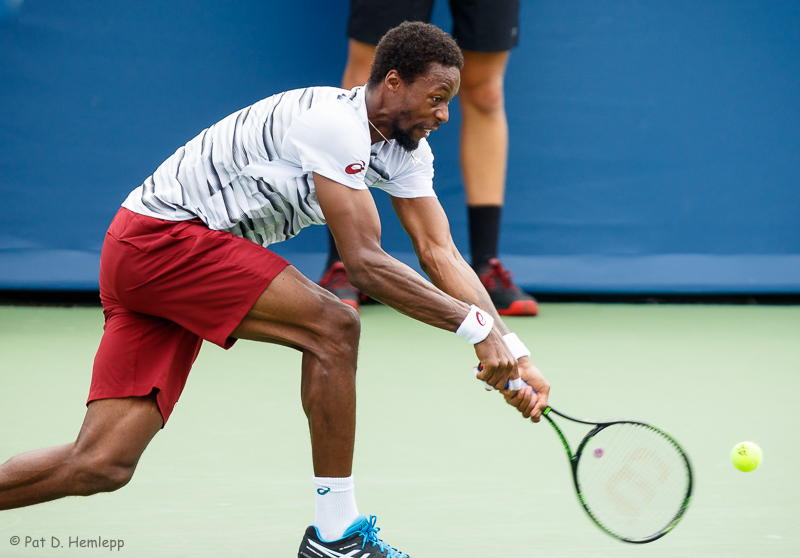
484	158
484	149
484	130
356	72
114	434
359	59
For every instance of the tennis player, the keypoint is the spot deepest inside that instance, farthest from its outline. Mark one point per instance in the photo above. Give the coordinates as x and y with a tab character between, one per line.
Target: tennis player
185	260
486	31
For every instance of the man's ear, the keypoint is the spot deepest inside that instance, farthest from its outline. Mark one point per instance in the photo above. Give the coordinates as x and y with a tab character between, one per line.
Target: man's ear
392	80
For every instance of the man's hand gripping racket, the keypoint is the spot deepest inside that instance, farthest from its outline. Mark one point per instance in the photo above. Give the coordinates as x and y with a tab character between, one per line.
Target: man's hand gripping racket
528	395
632	479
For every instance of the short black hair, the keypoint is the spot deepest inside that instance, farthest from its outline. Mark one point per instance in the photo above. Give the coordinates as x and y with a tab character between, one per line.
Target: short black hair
410	48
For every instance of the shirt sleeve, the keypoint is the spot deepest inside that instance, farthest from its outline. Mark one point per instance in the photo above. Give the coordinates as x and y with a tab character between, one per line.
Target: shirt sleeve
414	177
330	139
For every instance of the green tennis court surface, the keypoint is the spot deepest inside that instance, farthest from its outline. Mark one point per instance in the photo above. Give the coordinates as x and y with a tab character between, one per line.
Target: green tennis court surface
449	469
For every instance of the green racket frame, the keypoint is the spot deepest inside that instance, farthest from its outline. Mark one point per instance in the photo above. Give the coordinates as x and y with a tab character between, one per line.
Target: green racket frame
574	458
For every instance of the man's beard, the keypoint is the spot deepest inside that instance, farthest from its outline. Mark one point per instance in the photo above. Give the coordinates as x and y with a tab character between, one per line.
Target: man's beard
403	137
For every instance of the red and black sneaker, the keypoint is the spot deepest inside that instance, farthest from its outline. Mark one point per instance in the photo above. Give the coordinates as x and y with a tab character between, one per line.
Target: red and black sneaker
509	299
335	280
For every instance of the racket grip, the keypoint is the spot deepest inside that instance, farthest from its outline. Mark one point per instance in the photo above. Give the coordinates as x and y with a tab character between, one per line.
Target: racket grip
514	385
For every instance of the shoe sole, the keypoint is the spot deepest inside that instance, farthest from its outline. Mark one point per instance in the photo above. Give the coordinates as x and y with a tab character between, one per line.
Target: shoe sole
521	308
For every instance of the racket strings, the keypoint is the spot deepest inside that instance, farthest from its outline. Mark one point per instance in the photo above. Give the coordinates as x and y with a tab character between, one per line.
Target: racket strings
633	480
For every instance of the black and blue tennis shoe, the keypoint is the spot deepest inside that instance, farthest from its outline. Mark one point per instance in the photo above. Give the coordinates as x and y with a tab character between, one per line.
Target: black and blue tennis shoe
359	541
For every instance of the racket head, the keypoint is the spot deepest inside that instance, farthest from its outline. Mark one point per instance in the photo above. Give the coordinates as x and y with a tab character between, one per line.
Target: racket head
643	486
634	480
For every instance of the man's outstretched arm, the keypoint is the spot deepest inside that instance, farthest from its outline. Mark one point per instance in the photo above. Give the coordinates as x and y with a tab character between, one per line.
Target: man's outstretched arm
426	223
353	220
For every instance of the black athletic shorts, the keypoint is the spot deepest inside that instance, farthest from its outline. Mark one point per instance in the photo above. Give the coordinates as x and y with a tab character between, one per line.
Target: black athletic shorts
479	25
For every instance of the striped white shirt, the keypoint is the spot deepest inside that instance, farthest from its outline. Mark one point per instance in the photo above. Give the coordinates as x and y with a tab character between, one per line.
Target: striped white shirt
251	172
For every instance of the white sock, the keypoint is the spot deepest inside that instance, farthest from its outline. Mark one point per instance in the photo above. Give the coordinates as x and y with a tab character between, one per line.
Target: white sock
335	506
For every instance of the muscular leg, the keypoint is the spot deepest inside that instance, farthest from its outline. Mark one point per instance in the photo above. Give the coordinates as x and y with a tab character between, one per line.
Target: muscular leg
292	311
484	157
114	434
484	130
296	312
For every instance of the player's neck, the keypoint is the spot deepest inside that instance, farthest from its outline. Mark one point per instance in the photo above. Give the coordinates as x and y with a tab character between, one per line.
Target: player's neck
380	127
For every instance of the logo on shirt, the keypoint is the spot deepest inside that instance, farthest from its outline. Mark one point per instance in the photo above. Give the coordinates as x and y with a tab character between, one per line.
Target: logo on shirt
480	318
354	168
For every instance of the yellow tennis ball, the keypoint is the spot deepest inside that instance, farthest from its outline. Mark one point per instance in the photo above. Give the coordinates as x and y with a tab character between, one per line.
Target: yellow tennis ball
746	456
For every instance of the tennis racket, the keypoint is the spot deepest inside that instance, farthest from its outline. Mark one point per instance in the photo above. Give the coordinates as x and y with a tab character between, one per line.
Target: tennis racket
633	479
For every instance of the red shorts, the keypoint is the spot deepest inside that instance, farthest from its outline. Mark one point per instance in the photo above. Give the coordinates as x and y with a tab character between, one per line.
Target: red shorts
165	287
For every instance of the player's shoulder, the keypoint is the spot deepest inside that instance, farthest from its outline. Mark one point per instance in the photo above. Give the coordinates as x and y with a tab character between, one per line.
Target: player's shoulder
331	113
332	104
307	98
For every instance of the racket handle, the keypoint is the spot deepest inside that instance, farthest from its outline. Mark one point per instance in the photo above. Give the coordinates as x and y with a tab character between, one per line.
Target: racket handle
514	385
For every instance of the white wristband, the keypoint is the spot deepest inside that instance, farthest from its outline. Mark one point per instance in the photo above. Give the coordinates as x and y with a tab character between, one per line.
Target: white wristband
476	326
517	347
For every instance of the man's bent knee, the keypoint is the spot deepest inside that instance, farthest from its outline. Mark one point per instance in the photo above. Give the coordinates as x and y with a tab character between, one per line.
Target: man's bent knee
340	326
336	331
91	476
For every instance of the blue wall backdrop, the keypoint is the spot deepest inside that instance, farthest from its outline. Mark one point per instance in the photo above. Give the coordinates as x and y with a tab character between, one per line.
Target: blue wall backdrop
655	145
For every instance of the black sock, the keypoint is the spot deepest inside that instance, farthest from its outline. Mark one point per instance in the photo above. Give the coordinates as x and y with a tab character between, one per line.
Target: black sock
484	232
333	253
